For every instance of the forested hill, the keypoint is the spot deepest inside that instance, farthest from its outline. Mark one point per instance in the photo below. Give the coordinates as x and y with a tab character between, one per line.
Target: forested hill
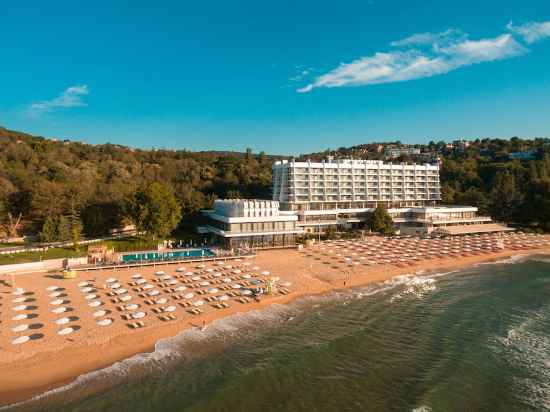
43	177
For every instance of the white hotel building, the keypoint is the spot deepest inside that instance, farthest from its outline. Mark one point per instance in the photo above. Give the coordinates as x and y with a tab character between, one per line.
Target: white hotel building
341	193
313	196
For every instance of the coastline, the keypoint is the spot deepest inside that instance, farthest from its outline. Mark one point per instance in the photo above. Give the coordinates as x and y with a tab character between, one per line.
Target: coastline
309	278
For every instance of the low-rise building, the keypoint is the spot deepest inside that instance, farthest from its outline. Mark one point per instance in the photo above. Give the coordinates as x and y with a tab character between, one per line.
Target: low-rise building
443	220
250	223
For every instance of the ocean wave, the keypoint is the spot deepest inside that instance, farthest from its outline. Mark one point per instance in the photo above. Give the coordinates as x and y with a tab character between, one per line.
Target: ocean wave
527	347
422	408
165	352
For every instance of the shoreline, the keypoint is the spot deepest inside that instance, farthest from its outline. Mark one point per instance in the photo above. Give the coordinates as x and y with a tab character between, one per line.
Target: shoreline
104	351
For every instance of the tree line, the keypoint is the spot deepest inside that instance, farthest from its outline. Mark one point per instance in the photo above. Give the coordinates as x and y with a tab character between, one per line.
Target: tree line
62	190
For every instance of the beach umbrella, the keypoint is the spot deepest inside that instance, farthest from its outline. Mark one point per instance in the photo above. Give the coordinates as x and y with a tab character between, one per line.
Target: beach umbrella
170	309
131	306
66	331
266	273
160	273
83	284
196	278
104	322
59	310
166	277
20	340
20	328
110	280
198	303
136	276
99	313
180	269
95	303
188	295
173	282
87	289
62	321
223	297
153	293
212	290
56	302
140	281
91	296
204	283
147	286
138	315
20	299
121	291
52	288
227	280
161	301
180	288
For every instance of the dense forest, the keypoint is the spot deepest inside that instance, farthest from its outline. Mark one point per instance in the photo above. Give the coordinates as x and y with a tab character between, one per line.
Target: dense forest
44	180
60	185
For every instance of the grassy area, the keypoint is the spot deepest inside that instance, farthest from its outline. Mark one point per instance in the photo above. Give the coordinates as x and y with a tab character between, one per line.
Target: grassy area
11	244
26	257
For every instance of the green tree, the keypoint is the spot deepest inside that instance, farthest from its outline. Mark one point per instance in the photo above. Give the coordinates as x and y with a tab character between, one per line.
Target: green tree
63	229
380	221
505	197
49	230
154	210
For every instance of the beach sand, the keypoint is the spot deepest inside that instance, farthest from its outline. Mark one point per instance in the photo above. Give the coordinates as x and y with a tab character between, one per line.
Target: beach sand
52	360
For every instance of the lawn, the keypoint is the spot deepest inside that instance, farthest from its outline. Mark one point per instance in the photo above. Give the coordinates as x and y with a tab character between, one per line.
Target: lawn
54	253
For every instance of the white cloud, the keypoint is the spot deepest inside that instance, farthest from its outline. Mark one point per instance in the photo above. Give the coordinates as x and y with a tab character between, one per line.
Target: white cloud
419	39
531	32
414	63
71	97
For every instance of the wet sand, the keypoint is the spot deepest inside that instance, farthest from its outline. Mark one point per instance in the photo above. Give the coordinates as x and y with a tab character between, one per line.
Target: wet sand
52	360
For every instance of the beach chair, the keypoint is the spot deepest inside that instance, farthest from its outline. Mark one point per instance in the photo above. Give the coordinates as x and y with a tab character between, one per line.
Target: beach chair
126	317
121	308
136	325
116	300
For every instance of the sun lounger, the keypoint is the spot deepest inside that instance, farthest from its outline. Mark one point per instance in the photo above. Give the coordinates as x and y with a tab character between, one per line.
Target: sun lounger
168	317
136	325
184	304
195	311
126	316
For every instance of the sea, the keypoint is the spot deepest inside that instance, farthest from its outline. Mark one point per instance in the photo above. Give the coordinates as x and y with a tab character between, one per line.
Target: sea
471	340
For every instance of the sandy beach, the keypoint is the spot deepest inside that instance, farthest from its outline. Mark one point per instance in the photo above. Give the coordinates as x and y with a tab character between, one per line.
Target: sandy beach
49	360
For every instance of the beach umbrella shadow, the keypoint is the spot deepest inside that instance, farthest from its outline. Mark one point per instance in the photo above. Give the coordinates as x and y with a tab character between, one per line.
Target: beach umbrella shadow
36	336
32	316
36	326
73	318
33	307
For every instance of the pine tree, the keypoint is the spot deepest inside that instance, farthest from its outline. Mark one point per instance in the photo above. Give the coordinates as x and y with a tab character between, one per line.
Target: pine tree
49	230
63	228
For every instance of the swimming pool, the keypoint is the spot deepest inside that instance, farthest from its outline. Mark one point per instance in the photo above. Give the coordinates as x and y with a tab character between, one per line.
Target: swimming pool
163	256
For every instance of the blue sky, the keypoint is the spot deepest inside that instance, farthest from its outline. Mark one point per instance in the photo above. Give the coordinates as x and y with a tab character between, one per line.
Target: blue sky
286	77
